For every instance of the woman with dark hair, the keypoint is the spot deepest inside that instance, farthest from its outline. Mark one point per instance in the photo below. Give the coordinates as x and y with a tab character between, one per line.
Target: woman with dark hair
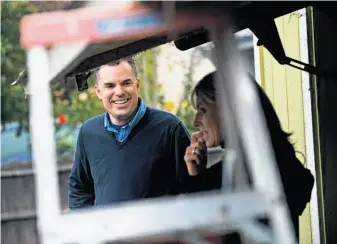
297	180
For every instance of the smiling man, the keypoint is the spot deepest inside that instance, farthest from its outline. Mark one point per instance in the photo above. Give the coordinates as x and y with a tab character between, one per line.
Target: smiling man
131	151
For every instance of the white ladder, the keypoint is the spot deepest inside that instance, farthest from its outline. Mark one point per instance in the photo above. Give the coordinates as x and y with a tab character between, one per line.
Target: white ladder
187	217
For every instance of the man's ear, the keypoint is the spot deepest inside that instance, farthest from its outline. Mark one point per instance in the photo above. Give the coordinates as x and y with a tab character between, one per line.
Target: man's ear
138	85
98	92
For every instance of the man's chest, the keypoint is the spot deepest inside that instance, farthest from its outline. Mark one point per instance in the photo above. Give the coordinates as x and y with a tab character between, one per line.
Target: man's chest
129	161
132	171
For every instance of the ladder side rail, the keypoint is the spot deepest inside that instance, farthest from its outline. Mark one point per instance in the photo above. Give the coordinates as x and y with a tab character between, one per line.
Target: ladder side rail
244	103
43	144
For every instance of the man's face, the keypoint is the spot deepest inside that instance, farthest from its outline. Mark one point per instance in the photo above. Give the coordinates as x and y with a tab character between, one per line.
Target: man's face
118	88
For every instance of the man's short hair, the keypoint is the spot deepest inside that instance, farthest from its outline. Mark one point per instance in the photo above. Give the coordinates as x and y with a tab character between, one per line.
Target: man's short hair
129	60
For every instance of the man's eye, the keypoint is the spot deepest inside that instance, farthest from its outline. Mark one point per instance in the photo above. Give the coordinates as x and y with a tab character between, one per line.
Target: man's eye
127	83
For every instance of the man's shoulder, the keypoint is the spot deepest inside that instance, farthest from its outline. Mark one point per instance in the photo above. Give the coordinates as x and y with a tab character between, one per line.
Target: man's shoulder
94	122
163	116
167	122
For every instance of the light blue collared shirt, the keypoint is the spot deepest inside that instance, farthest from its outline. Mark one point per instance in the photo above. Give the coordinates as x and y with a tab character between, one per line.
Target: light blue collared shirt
123	131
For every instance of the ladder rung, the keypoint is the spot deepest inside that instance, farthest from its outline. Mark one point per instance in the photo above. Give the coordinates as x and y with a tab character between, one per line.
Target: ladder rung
212	213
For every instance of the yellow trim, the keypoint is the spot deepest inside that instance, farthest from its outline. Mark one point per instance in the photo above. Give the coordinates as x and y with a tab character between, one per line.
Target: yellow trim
283	85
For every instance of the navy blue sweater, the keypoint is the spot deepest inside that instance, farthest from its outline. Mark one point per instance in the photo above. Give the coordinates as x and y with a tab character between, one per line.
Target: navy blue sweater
149	163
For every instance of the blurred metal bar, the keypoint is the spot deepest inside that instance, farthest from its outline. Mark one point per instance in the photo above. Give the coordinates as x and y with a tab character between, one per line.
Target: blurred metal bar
235	88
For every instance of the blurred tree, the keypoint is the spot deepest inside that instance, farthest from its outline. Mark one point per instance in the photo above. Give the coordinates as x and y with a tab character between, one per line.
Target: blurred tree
76	107
151	90
14	106
46	6
185	110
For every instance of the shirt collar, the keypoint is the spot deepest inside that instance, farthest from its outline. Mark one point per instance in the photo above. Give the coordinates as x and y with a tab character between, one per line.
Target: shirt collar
215	155
133	122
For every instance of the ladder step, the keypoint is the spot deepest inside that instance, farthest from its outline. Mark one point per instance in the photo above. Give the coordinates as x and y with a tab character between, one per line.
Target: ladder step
172	217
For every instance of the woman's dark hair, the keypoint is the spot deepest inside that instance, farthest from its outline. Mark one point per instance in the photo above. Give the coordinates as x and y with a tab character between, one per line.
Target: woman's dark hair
293	175
205	88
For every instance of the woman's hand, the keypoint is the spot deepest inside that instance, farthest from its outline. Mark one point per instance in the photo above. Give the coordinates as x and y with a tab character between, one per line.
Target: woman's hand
195	155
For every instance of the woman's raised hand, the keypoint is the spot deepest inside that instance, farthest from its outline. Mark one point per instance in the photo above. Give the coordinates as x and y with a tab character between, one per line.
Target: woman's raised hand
196	154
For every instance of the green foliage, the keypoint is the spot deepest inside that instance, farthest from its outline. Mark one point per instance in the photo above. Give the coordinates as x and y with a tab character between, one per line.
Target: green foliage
151	91
64	147
185	110
186	114
65	140
77	106
14	106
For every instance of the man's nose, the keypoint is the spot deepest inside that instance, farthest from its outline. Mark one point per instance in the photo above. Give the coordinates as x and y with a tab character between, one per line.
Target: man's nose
119	91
